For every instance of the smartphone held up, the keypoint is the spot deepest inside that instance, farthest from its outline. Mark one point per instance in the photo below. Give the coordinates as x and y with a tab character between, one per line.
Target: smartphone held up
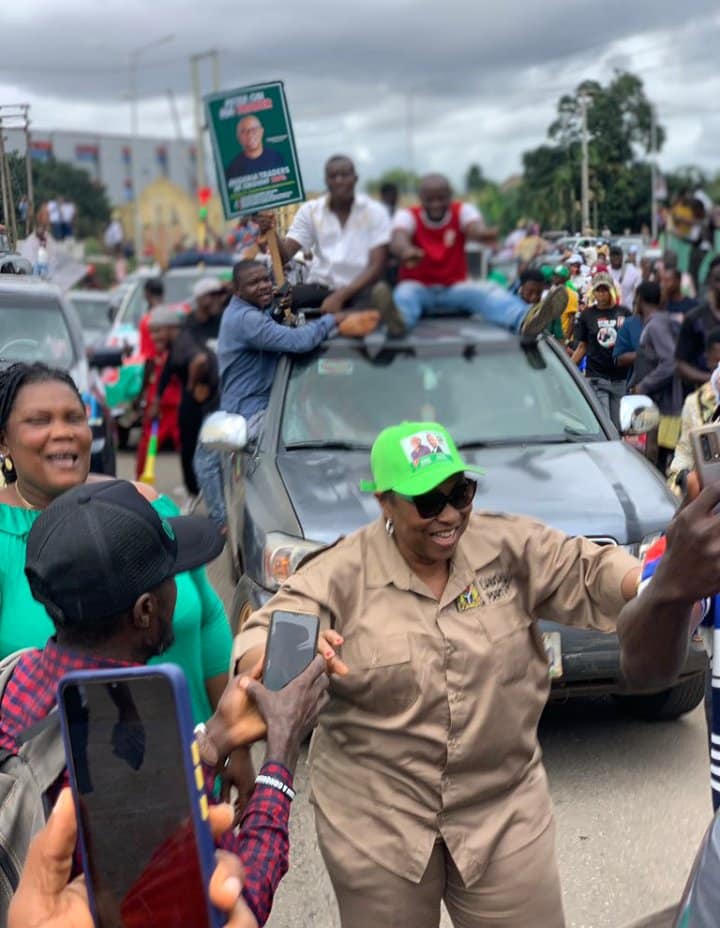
291	646
139	793
705	442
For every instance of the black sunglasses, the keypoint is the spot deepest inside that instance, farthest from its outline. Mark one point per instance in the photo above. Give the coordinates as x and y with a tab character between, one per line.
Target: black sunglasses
431	504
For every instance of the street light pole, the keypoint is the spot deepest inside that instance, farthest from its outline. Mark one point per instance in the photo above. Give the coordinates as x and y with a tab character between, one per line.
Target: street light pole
134	57
653	175
585	169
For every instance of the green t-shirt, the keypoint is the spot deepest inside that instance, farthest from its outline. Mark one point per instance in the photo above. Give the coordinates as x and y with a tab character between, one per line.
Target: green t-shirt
202	634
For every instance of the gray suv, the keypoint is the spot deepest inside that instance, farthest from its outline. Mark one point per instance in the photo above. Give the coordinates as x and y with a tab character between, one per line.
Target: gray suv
517	408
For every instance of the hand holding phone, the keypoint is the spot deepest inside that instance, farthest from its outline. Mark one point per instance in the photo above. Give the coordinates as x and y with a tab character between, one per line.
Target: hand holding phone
705	442
291	647
139	791
292	712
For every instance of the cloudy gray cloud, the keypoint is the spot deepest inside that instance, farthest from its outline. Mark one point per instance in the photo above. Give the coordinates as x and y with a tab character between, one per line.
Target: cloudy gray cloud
441	84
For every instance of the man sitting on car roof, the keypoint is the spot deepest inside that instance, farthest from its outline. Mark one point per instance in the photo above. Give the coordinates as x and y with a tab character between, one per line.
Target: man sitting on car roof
348	234
429	240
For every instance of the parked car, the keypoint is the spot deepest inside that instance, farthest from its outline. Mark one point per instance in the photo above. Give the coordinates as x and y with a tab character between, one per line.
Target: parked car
93	311
38	324
127	305
518	409
10	261
179	281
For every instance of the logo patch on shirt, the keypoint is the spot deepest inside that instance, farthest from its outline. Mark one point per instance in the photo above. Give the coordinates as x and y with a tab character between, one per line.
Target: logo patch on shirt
468	599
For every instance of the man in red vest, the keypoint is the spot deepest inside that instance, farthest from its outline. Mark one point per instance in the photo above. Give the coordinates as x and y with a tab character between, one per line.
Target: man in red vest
429	240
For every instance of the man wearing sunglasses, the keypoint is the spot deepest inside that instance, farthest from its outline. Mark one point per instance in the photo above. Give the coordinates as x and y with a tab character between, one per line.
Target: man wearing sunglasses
426	771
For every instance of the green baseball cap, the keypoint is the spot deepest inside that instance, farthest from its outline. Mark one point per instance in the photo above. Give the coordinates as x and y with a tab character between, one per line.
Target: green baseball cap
413	458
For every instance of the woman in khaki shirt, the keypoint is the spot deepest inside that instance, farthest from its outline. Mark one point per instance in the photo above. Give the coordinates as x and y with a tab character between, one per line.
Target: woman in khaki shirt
426	771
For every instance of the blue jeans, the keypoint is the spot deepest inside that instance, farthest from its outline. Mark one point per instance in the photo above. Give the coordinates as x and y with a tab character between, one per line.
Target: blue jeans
207	464
496	304
208	470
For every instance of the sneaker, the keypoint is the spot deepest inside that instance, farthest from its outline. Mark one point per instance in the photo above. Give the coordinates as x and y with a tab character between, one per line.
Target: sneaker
381	298
541	314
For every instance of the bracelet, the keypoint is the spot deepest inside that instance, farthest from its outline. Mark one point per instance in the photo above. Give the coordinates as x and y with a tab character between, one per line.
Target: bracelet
272	782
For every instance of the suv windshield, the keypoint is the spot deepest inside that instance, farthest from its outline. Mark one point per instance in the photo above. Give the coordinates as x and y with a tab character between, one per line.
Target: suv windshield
92	311
34	329
504	396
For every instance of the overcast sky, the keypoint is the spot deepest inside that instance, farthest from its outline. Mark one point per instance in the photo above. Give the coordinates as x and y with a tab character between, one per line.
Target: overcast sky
421	83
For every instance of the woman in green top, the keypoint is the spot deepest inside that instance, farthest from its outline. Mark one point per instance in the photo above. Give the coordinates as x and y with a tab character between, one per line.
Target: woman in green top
45	444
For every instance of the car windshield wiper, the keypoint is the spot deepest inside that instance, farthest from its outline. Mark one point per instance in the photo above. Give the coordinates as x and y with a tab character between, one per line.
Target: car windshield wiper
568	435
327	445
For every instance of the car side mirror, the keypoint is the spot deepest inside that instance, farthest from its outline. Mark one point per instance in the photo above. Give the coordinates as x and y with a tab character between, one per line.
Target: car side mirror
111	312
638	415
224	431
105	357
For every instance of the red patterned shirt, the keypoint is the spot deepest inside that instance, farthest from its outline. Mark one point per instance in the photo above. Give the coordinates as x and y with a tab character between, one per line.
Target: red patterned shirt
261	842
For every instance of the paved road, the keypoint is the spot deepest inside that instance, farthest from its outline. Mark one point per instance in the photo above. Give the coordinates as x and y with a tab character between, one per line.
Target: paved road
632	803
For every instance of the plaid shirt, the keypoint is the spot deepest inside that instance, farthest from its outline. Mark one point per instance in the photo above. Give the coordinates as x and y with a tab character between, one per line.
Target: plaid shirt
261	841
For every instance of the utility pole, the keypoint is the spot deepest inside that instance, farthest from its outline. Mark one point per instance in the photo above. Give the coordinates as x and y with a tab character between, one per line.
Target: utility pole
16	117
585	168
198	112
410	137
200	173
653	174
133	60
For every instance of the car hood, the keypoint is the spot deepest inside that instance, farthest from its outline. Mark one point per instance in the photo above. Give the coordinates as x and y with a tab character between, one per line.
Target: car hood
599	489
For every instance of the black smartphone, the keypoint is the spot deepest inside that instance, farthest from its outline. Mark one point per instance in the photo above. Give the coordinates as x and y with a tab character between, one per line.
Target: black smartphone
291	646
139	791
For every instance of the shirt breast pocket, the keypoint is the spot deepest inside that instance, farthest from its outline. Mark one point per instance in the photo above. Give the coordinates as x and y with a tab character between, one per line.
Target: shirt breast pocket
511	640
381	678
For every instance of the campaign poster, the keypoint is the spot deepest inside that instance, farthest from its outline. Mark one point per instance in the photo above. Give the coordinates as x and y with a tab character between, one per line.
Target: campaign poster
254	149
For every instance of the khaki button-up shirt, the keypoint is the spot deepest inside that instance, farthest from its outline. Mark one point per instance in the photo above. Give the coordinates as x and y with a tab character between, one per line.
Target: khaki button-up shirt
433	734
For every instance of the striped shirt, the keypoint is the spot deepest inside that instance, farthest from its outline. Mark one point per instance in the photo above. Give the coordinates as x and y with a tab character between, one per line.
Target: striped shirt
709	628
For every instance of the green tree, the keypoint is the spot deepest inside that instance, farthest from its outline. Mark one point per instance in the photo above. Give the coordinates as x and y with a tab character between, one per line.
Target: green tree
406	181
52	179
619	122
475	179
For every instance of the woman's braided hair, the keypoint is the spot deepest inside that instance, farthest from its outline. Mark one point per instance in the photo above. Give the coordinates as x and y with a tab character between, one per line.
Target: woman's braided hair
15	376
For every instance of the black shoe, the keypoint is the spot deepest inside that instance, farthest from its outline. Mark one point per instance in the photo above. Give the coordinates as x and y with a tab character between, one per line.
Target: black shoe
541	314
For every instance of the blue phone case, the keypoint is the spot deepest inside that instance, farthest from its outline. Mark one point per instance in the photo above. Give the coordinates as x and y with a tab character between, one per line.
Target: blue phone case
198	803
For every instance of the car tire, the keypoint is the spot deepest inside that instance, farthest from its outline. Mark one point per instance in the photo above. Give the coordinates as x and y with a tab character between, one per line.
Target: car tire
233	569
667	705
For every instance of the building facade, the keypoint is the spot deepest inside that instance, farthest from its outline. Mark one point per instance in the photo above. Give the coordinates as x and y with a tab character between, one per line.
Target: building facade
109	158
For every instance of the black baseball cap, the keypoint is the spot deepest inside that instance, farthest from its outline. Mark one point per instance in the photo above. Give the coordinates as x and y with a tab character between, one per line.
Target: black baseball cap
100	546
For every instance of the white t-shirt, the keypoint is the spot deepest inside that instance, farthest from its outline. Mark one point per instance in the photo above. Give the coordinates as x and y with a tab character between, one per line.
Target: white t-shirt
67	211
627	278
340	253
53	208
405	220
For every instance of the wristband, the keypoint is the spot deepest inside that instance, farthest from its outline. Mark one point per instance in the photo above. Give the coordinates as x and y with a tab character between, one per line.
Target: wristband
274	783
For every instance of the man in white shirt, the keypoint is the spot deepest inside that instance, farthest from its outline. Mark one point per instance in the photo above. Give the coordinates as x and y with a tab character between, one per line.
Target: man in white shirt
348	234
67	217
626	275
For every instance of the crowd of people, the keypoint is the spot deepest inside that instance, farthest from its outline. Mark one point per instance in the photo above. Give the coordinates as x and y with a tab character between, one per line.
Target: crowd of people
425	769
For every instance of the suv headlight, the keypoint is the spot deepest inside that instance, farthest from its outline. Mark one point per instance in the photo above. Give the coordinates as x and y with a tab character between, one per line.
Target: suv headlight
281	556
640	549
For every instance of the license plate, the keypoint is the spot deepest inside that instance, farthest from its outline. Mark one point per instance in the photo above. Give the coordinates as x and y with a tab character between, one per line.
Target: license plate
553	649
